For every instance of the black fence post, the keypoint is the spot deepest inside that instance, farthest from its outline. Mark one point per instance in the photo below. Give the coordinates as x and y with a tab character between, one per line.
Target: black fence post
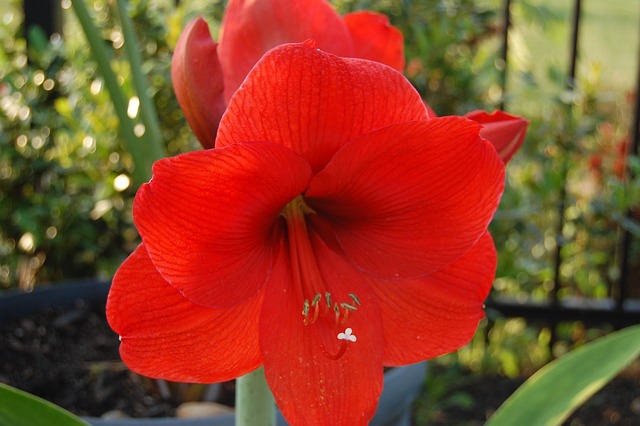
571	85
505	52
45	14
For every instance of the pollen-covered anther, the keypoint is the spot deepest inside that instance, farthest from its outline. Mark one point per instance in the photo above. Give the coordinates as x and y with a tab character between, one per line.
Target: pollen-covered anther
311	310
355	299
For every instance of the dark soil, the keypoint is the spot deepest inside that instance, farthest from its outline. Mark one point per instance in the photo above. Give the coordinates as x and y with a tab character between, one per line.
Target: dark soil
70	357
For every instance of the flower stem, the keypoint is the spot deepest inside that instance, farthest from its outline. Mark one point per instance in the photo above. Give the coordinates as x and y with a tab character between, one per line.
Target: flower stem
254	401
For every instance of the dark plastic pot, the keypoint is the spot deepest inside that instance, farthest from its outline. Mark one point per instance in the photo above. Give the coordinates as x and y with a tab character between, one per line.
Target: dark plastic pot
401	385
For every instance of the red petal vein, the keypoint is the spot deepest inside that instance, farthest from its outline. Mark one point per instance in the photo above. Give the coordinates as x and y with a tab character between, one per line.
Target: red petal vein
166	336
407	200
208	218
314	102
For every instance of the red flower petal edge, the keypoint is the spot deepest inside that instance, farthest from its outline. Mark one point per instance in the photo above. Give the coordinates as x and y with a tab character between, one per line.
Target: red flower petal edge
166	336
506	132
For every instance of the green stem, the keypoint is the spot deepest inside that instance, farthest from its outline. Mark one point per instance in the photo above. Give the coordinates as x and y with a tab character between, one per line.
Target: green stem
147	108
254	401
142	158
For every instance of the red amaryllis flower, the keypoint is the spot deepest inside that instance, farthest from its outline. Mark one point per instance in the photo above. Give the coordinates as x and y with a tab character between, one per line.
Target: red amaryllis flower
205	75
506	132
332	231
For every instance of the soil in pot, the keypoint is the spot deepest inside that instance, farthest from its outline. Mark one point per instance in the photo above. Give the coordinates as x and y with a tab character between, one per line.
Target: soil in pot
70	357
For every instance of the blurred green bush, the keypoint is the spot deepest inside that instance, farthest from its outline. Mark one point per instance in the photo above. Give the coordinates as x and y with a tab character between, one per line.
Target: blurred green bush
65	186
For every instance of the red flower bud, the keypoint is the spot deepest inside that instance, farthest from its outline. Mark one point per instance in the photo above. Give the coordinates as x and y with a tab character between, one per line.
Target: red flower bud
506	132
197	81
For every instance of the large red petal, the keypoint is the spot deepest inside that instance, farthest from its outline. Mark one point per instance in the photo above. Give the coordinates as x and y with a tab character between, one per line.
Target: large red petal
506	132
208	218
198	82
310	388
315	102
166	336
375	39
250	28
409	199
439	313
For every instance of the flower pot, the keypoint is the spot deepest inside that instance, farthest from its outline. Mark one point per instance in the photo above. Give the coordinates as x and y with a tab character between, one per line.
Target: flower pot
401	385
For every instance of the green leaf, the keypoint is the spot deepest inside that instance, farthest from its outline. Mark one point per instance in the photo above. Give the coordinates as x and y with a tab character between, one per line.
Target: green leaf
554	392
144	154
18	408
147	108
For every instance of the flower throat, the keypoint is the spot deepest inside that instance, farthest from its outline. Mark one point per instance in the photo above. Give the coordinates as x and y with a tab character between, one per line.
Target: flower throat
319	303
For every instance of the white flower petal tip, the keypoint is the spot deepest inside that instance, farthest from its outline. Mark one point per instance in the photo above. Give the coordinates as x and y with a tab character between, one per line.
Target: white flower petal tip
347	335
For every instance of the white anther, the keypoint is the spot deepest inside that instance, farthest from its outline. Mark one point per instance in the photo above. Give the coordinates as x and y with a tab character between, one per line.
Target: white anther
347	335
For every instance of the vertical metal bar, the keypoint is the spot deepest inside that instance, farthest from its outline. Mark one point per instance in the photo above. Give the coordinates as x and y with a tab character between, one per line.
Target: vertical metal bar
43	14
625	249
575	33
505	51
571	80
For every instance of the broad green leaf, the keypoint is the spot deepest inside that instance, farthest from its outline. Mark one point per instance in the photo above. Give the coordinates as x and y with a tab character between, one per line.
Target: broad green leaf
19	408
554	392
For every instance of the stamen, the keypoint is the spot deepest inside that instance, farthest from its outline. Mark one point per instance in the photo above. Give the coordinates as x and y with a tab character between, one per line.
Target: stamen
355	299
309	280
316	311
336	309
311	310
345	317
316	299
348	306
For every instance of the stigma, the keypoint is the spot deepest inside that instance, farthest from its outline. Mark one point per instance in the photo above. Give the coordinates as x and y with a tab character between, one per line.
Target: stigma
347	335
345	338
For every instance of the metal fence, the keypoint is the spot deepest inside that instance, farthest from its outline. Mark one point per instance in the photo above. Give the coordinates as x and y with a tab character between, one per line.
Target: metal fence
619	308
